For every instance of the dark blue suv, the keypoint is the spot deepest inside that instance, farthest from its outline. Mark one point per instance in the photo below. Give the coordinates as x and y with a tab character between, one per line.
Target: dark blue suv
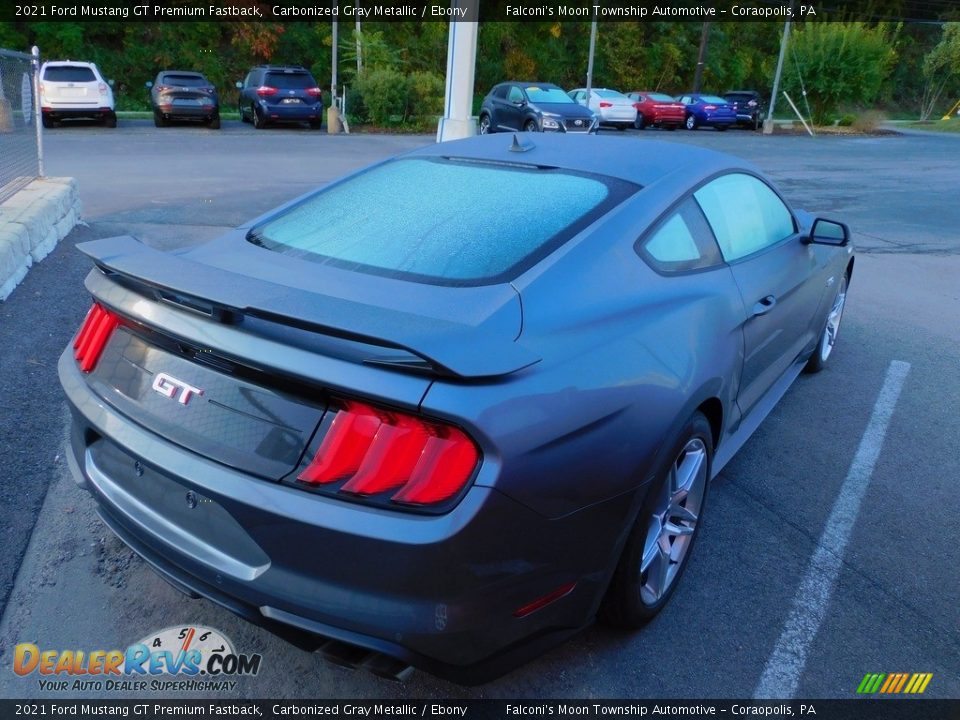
280	94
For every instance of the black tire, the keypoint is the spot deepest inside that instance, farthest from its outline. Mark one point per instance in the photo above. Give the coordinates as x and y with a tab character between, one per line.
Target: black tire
621	128
243	115
629	601
258	121
531	126
831	330
484	127
48	122
691	122
158	119
110	120
638	123
214	122
757	125
671	128
316	124
721	128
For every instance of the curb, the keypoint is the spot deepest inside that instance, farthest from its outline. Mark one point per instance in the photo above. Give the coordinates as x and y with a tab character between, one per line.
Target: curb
32	222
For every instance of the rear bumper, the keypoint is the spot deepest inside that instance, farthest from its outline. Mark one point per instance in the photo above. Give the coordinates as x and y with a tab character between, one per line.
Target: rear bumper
55	112
438	592
719	120
666	119
187	112
299	112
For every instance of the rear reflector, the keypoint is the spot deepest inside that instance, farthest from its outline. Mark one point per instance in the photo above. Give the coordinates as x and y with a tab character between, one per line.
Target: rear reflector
92	338
532	607
376	450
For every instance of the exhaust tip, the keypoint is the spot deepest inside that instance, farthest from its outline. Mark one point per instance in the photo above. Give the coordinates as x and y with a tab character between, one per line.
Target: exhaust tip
388	668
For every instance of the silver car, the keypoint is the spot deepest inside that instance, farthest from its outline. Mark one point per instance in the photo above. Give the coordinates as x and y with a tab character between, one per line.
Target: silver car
612	107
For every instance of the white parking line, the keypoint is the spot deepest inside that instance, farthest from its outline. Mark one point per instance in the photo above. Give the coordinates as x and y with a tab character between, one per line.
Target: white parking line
782	672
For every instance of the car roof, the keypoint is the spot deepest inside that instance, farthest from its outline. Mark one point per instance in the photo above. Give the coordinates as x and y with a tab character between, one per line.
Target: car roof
527	82
642	162
71	63
193	73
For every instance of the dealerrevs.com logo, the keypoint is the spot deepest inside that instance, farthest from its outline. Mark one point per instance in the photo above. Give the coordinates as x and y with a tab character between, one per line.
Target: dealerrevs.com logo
200	658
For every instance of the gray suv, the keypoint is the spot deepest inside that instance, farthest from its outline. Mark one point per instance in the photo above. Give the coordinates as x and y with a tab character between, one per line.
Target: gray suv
533	107
280	94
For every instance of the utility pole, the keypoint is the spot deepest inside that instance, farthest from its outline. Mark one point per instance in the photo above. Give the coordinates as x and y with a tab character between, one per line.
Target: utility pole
768	123
593	47
701	57
333	116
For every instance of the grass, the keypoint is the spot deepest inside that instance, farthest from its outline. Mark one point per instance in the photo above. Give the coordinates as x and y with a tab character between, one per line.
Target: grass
148	115
951	126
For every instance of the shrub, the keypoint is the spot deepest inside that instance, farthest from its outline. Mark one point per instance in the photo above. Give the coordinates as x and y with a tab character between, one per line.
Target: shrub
384	92
868	121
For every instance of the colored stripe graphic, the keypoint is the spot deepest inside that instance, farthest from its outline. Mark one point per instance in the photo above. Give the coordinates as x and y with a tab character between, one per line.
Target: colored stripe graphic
894	683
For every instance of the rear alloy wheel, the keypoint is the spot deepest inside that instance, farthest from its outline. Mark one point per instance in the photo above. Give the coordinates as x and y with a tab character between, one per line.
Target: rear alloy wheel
158	119
485	128
258	122
691	123
662	538
531	126
638	123
243	115
828	338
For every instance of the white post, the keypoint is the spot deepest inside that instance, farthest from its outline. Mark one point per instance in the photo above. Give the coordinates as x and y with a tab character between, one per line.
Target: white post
457	121
768	123
37	120
593	47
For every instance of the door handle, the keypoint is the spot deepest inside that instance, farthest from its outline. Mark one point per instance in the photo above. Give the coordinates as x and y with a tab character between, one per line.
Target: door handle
764	306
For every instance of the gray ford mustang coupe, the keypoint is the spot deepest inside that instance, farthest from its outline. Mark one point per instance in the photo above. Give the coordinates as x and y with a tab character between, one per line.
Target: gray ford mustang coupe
448	410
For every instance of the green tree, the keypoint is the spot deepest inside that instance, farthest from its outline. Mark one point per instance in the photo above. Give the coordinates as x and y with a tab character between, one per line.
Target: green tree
941	68
841	64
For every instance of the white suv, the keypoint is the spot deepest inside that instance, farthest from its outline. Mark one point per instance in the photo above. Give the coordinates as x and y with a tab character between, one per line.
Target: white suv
74	90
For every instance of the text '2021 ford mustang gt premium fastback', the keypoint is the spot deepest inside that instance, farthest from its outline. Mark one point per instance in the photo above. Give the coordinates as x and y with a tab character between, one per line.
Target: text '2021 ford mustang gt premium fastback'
448	410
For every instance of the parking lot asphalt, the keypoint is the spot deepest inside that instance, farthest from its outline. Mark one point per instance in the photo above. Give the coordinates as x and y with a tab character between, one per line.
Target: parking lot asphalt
892	606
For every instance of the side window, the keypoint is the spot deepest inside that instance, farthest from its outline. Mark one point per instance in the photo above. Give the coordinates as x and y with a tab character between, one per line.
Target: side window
745	214
248	81
680	242
500	92
516	94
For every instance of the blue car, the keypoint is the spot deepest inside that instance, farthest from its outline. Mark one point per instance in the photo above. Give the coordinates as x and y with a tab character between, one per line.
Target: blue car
709	110
454	431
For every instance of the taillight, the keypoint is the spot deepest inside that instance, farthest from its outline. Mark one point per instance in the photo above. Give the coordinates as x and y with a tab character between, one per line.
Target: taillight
103	88
606	104
373	450
164	88
752	103
92	338
266	91
314	92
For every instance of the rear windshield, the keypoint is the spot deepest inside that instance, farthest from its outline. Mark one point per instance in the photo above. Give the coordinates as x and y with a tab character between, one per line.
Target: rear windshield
68	73
739	97
713	99
610	94
439	221
185	80
660	97
290	81
547	95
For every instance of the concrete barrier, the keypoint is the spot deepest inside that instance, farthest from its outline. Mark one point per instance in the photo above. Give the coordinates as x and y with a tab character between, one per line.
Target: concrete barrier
32	222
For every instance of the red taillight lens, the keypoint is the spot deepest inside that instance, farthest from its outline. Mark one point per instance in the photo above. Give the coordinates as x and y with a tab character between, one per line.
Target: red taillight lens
606	104
377	450
163	88
93	336
314	92
266	91
103	88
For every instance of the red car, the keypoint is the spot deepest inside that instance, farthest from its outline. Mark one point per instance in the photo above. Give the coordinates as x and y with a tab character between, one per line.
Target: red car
654	108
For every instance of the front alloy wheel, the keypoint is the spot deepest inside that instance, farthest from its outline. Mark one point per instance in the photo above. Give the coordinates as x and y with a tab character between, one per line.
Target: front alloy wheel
484	124
660	542
531	126
831	330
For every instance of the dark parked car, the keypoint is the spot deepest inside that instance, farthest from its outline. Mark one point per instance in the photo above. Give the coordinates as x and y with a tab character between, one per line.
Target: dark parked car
708	110
184	95
658	110
280	94
533	107
450	432
749	107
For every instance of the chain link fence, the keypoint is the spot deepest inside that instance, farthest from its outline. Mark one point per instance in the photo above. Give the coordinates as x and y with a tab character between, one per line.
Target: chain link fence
19	142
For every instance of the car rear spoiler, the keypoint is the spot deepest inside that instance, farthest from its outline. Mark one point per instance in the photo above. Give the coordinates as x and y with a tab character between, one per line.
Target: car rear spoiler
442	347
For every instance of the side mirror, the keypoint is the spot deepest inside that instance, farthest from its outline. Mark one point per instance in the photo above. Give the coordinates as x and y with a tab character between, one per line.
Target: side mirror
148	84
829	232
238	85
